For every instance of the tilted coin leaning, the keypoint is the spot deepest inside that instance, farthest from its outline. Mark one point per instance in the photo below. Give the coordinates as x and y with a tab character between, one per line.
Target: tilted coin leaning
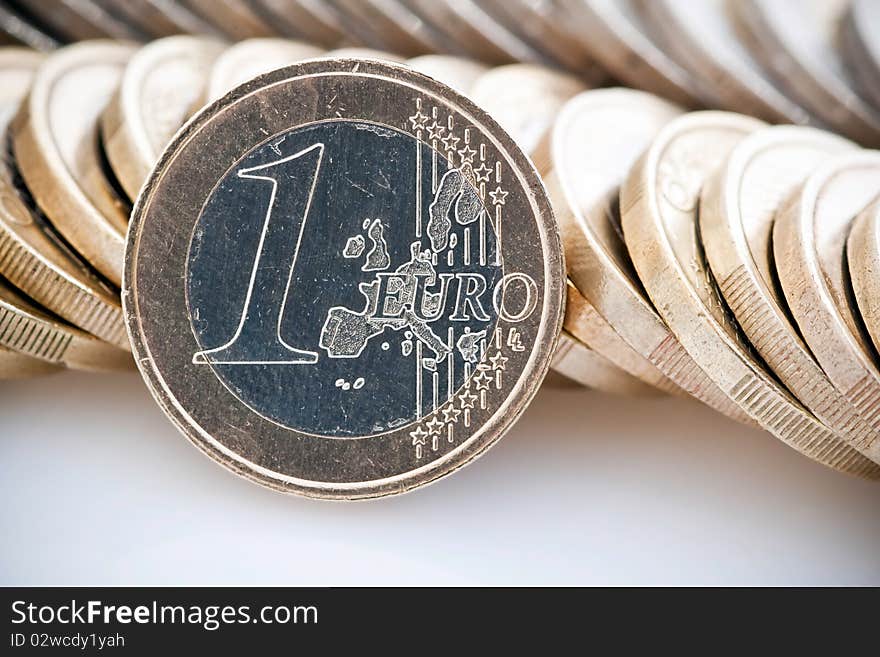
343	280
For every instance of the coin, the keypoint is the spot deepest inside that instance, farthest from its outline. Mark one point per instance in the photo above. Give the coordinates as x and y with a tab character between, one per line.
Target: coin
863	259
525	99
234	18
31	258
162	85
659	203
541	25
18	30
795	41
595	141
14	365
471	28
54	137
247	59
75	20
809	243
737	207
30	331
459	73
365	53
403	31
701	38
311	20
590	328
578	362
301	382
619	40
144	15
860	46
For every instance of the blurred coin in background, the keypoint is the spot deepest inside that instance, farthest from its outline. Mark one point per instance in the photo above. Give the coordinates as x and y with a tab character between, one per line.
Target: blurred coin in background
162	86
15	29
659	202
701	38
460	73
233	18
620	41
248	59
794	41
737	207
77	20
859	41
809	243
310	20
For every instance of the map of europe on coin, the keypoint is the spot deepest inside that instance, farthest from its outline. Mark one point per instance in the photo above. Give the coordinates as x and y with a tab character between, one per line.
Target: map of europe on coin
364	300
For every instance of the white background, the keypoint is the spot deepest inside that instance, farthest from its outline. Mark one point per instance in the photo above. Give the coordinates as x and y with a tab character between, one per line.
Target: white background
98	488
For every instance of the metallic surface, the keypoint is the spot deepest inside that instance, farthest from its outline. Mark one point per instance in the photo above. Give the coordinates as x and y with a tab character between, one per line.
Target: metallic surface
160	273
248	59
17	30
597	138
809	243
31	256
76	20
795	41
162	86
701	38
234	18
737	208
395	27
619	39
659	205
310	20
459	73
54	137
860	46
863	259
576	361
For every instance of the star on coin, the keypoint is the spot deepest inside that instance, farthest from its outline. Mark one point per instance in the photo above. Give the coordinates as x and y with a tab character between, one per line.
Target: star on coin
499	196
418	120
435	425
482	172
483	380
467	154
450	414
419	435
450	141
499	361
468	399
435	131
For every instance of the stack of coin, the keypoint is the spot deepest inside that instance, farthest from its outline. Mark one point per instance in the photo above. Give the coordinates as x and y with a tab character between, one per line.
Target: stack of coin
708	253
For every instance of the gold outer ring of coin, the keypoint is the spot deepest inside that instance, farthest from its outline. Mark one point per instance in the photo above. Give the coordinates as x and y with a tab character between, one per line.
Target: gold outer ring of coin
28	330
357	52
247	59
199	403
659	203
576	361
596	138
161	86
97	233
809	242
863	258
737	207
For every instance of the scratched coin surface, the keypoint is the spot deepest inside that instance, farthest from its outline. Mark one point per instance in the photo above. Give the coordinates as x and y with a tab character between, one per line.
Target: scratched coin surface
809	243
247	59
737	208
55	141
795	40
660	202
162	85
701	38
863	259
596	139
361	281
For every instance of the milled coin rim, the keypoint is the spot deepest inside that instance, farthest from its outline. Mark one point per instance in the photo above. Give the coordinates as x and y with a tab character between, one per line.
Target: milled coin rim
655	259
749	296
577	361
863	262
535	366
